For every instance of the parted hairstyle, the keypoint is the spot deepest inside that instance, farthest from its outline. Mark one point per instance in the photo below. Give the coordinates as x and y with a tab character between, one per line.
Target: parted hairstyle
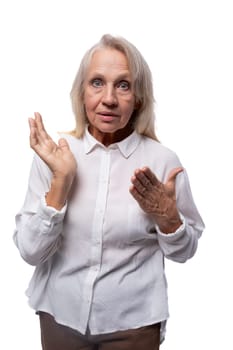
143	118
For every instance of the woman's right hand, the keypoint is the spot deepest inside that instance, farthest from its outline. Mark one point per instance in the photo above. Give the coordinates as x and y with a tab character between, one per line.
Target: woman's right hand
58	157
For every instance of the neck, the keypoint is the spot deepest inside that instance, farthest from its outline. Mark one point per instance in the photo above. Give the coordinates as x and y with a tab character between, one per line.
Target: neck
109	138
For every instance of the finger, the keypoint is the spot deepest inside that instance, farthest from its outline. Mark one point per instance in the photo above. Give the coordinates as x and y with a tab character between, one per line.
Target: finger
33	137
138	185
40	129
31	122
139	198
32	125
143	179
39	121
150	175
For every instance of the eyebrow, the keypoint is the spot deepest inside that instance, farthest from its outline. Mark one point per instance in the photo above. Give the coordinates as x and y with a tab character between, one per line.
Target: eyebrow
121	76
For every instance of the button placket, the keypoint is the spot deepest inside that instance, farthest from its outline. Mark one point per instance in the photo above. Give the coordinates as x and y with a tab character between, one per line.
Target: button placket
101	200
97	227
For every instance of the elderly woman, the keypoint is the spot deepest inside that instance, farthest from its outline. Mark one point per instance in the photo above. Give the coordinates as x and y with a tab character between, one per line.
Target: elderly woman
104	206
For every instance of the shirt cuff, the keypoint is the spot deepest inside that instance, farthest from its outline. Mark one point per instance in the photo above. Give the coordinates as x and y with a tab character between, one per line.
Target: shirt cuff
179	232
49	214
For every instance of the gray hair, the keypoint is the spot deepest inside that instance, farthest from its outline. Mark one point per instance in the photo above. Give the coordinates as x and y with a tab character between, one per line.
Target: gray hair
144	116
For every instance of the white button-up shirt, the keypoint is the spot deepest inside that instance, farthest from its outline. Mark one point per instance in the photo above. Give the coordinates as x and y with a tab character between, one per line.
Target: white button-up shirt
100	260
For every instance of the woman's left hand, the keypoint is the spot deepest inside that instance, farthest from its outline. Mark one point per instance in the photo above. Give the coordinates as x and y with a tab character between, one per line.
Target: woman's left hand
156	198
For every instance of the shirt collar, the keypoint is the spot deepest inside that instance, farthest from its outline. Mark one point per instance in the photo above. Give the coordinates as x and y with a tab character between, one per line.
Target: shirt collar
126	146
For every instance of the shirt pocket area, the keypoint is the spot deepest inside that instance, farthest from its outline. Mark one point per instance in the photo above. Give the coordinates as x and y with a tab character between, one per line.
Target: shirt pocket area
140	226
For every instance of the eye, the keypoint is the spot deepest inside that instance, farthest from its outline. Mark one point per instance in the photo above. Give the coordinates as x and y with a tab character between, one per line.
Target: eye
96	82
123	85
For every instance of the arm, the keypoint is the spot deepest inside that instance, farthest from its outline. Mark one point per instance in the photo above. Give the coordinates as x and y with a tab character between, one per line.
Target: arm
58	158
38	227
39	224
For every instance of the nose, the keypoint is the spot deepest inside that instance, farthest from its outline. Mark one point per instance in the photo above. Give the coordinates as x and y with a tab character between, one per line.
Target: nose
109	97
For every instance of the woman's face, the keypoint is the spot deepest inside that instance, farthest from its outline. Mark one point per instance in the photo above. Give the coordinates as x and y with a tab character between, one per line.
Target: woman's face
108	96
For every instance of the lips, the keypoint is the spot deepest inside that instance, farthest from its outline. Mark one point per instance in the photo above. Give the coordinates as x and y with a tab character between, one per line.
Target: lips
107	113
107	116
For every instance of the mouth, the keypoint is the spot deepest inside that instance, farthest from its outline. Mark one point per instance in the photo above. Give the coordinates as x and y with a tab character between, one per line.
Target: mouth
107	116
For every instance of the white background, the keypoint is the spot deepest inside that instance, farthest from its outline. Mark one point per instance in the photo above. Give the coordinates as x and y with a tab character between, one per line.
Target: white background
188	45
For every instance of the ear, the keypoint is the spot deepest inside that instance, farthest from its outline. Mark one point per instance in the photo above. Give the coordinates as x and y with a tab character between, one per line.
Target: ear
137	104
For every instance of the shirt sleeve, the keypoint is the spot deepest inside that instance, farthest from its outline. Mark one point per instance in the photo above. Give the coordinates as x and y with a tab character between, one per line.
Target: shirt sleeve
182	244
38	230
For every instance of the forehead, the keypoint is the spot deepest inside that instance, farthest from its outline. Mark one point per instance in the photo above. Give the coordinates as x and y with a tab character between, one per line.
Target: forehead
107	60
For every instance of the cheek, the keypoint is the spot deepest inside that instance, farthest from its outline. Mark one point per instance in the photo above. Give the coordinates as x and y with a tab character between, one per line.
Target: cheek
129	107
90	101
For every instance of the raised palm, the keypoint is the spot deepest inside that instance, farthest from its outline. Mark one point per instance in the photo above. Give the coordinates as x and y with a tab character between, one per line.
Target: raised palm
58	157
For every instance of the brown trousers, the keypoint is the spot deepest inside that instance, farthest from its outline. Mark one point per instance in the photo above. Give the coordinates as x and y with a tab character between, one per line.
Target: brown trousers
55	336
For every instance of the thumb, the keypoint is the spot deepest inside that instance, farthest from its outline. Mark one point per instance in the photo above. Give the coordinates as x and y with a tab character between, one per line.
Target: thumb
173	173
63	144
171	180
